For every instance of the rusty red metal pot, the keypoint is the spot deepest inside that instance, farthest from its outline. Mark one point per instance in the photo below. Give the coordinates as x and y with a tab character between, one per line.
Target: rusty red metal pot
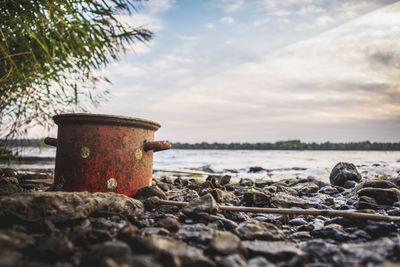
102	153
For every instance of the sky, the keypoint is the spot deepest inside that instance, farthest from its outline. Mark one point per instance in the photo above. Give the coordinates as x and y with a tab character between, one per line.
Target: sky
263	70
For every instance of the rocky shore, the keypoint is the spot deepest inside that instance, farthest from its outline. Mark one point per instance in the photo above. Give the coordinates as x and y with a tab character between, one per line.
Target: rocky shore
42	226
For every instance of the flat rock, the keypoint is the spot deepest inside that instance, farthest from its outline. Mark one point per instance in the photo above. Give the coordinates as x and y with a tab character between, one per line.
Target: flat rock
382	196
189	256
272	250
224	242
204	203
250	230
197	233
285	200
64	206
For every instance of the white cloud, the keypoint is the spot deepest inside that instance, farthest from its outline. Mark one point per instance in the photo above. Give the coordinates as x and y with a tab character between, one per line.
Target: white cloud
159	6
232	5
347	76
209	25
228	20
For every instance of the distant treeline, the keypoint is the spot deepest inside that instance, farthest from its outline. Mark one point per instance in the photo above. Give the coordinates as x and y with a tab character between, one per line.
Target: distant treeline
281	145
292	145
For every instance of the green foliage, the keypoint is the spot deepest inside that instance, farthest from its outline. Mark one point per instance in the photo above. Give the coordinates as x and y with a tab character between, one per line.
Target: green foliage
292	145
50	54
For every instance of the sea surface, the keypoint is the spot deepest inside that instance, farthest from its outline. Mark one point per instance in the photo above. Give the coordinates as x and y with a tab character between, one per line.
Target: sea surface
278	163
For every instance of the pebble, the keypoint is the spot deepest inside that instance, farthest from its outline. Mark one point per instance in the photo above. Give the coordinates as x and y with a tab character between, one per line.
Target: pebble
274	251
225	243
251	230
342	172
9	185
382	196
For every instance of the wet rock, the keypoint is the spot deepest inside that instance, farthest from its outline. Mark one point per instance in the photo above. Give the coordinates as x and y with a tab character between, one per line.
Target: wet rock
297	221
259	262
225	243
300	235
225	179
9	185
34	176
382	196
365	202
306	188
188	256
13	240
150	191
195	233
333	231
376	184
323	252
11	258
256	198
349	184
234	260
342	172
219	219
149	231
63	206
205	203
250	230
53	248
361	234
380	229
274	251
8	172
169	223
221	196
246	182
99	253
256	169
285	200
370	253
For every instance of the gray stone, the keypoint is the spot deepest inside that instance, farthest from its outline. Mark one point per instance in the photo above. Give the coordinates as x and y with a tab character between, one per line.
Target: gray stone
13	240
10	259
63	206
250	230
116	250
197	233
189	256
204	203
9	185
233	260
274	251
342	172
259	262
382	196
285	200
224	242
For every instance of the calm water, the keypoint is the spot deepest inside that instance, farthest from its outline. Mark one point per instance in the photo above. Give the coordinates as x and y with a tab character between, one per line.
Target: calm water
281	164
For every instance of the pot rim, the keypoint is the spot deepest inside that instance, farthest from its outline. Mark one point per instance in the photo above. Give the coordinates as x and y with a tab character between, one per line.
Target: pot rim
89	118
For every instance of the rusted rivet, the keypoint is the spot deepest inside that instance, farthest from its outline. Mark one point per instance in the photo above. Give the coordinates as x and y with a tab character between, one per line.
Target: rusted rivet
85	152
111	183
138	154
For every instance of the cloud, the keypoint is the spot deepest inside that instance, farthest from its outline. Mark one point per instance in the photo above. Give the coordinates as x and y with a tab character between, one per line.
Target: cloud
348	76
160	6
306	15
231	5
228	20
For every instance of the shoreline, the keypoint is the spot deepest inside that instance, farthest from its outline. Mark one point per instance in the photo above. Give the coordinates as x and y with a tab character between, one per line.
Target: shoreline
147	234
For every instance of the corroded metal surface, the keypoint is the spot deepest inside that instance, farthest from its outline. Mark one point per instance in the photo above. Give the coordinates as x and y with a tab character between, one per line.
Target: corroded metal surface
105	154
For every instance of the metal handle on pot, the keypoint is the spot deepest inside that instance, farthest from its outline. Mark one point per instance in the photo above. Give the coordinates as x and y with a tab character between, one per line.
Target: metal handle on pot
50	141
157	145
